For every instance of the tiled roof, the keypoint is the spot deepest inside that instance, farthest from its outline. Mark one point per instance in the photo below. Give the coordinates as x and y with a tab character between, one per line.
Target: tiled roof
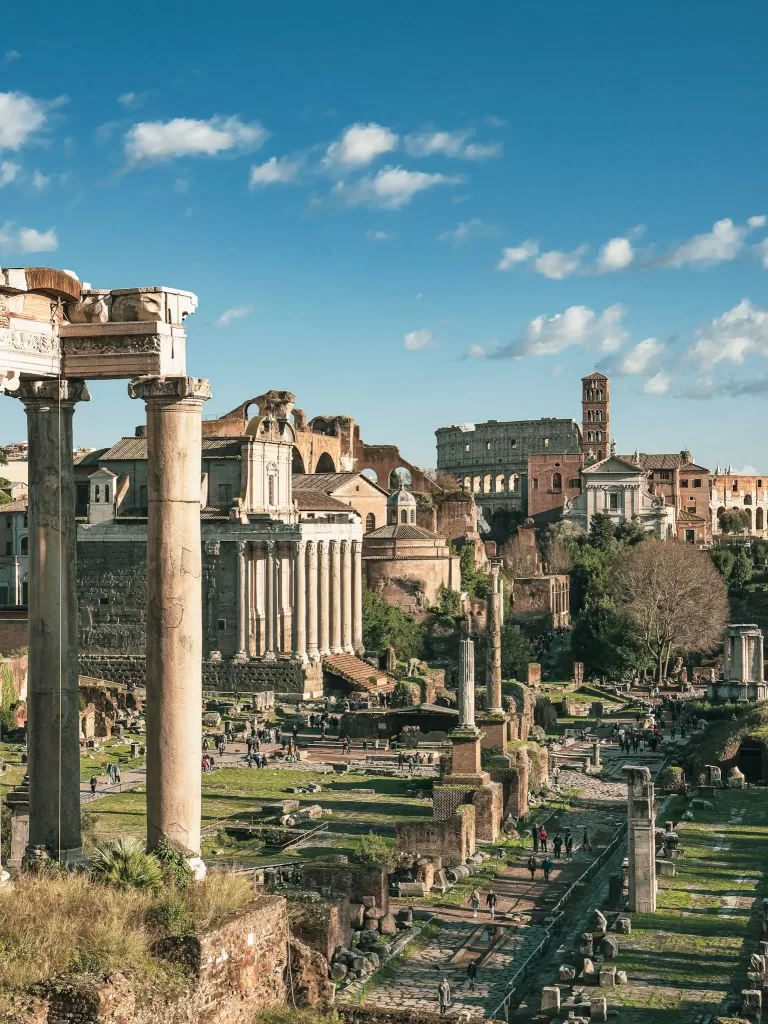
684	516
671	461
89	458
14	506
691	467
328	482
402	531
595	376
317	501
134	449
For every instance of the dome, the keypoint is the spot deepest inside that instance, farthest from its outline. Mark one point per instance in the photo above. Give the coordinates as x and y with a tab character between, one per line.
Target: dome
401	507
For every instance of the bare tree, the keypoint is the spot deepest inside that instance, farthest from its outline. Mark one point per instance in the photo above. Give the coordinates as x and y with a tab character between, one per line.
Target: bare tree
674	597
520	560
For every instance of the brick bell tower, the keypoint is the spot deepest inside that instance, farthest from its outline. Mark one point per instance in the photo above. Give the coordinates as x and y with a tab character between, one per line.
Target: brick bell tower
596	417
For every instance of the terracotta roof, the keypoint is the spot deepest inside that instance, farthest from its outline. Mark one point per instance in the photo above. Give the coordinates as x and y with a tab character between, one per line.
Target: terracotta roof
328	482
670	461
134	449
314	501
89	458
684	516
595	376
14	506
402	531
691	467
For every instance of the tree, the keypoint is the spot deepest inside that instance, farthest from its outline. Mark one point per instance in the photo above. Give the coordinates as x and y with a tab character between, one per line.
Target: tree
448	602
601	531
590	576
606	642
384	626
516	653
473	580
630	531
446	481
742	570
520	559
723	559
673	597
735	520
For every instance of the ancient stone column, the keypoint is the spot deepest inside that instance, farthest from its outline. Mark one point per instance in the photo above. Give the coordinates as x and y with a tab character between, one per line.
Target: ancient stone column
174	609
466	684
335	597
53	701
300	601
357	598
270	652
312	648
641	841
324	581
242	600
495	619
346	597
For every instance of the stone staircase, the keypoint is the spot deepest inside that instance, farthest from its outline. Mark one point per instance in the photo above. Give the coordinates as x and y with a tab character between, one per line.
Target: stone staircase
358	673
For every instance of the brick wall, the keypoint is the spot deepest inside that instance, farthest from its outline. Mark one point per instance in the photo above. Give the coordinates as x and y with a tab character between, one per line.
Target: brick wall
351	880
488	803
14	634
452	840
321	924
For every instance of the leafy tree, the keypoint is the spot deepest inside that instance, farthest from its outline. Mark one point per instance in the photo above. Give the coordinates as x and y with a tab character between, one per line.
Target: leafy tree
448	601
601	531
630	531
742	570
590	577
5	498
7	699
476	582
674	598
516	653
723	559
405	694
384	626
734	520
605	641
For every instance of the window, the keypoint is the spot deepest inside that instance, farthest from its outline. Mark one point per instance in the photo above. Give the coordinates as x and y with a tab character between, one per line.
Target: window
747	499
97	494
683	483
222	624
225	493
573	484
488	445
613	501
514	443
370	522
272	490
25	545
466	447
535	484
590	416
697	483
413	515
403	515
599	435
103	600
664	474
690	536
735	485
106	492
8	548
557	482
546	442
759	483
599	396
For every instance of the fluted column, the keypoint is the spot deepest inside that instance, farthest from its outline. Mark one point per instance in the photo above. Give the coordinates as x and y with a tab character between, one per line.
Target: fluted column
346	597
324	581
335	597
299	602
357	598
495	617
269	601
53	700
466	684
312	648
242	600
174	608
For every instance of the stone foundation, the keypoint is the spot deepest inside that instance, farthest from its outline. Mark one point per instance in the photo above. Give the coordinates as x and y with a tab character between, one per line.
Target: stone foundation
452	840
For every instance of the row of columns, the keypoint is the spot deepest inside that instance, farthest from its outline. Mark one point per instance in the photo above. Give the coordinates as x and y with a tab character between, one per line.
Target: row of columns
327	592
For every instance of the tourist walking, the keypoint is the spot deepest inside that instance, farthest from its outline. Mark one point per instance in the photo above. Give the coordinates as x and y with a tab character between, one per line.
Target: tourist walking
474	902
93	790
472	974
444	995
558	845
547	866
535	837
568	847
491	900
532	865
543	839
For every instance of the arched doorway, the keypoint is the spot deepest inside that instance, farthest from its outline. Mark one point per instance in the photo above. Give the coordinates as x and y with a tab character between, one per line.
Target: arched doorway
325	464
297	463
399	476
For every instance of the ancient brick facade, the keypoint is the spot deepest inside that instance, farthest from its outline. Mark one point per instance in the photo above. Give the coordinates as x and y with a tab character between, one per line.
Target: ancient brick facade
747	493
542	595
452	840
553	479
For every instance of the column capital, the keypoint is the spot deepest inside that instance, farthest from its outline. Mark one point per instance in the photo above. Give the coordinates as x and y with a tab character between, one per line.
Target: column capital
301	546
310	546
357	547
333	545
39	395
212	547
269	547
345	546
191	390
241	546
322	547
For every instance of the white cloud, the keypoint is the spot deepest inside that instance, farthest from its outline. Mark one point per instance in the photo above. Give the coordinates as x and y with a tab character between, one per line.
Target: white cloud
10	55
235	313
8	172
359	145
640	356
132	100
746	470
517	255
556	265
578	325
378	236
736	334
430	143
390	189
21	117
482	150
723	243
658	384
40	181
475	352
155	141
414	341
757	222
274	172
27	239
762	252
467	231
616	254
495	122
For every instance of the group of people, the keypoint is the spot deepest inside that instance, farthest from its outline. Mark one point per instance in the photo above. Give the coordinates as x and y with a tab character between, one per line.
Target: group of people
559	843
113	777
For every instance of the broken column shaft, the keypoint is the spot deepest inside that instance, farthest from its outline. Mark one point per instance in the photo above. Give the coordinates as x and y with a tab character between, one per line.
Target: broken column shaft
53	700
495	620
641	841
174	608
466	684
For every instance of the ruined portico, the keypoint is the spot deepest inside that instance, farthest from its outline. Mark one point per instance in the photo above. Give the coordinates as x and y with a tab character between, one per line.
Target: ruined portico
55	334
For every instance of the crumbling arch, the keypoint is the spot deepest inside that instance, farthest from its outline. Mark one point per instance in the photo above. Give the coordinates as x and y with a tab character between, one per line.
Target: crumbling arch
514	482
476	484
399	476
370	474
297	462
499	485
325	464
487	483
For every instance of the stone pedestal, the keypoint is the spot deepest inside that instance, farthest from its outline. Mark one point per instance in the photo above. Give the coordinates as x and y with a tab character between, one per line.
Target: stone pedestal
174	608
641	841
53	700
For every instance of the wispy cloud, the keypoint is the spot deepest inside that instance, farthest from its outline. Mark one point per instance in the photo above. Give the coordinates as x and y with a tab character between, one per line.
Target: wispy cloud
27	239
739	332
151	142
378	236
390	189
235	313
414	341
133	100
11	55
723	243
641	356
40	181
576	326
23	118
557	265
8	172
453	144
475	352
359	145
468	231
517	255
282	171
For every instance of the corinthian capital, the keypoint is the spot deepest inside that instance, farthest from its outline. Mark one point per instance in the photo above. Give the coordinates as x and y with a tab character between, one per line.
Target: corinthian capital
41	394
171	389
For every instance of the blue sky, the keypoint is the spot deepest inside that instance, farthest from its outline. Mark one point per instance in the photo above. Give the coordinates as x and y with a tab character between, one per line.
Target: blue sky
414	213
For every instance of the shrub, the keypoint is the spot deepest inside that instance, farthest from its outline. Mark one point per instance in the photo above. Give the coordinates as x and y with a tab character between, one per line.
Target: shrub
373	852
173	865
124	862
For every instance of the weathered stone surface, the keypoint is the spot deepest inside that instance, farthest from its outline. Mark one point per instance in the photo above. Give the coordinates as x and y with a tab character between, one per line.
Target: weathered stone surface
550	1000
609	947
599	923
566	972
623	925
607	977
388	925
598	1010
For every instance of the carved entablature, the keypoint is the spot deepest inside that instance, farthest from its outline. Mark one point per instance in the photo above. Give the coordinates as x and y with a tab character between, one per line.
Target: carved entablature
50	325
